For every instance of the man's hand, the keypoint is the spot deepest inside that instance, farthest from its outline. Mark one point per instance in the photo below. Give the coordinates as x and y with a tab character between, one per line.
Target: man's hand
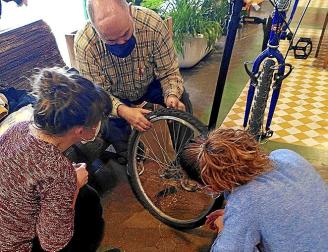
215	220
173	102
135	117
81	174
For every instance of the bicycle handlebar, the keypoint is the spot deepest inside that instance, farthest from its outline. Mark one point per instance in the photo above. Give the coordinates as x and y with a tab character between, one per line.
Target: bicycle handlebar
282	5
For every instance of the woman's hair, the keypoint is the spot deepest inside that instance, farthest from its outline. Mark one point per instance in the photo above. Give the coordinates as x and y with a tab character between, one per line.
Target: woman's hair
65	99
225	159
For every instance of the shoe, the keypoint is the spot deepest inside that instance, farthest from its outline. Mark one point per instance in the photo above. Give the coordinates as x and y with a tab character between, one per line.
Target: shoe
122	157
122	160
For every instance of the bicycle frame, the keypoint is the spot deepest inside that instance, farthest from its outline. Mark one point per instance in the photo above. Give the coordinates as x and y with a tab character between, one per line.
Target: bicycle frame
278	31
284	32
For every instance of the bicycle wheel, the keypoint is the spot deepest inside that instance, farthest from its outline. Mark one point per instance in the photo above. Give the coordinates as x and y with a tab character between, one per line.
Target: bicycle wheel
156	176
260	100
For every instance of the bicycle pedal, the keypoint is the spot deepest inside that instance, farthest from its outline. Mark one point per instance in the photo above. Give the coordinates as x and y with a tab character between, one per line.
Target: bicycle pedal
303	48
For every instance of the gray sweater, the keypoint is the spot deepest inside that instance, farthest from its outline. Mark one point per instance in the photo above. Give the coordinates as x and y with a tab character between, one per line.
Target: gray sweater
284	210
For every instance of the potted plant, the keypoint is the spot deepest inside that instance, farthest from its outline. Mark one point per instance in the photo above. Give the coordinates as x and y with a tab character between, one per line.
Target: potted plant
151	4
196	27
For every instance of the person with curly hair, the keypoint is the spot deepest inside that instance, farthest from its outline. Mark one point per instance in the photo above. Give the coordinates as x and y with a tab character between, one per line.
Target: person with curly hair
275	202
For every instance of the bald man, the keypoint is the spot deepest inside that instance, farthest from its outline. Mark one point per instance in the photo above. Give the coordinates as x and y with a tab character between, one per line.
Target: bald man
128	51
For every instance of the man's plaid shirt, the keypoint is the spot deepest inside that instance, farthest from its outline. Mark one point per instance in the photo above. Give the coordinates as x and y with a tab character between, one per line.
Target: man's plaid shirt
128	78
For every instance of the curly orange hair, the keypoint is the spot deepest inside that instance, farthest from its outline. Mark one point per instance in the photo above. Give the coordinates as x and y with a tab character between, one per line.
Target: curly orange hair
227	158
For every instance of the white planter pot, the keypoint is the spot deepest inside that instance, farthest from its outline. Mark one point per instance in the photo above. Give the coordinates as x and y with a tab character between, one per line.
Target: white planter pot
194	50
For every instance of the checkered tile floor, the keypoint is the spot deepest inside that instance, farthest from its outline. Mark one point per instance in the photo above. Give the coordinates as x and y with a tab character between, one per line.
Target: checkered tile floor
313	4
301	115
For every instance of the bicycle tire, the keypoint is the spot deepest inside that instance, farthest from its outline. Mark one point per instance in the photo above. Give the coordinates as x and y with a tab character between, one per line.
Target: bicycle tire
151	199
260	99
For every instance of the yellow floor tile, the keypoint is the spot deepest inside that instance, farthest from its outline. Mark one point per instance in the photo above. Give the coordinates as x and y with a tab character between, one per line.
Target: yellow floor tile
301	115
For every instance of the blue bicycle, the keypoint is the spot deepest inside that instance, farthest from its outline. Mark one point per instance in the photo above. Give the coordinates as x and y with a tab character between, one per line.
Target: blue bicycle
270	68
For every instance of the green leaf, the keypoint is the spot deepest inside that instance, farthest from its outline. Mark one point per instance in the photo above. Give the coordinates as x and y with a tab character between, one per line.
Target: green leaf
193	17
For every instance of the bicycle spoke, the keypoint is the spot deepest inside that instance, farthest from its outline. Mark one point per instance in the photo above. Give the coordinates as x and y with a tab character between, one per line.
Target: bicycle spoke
154	154
162	134
181	142
176	142
160	187
153	159
166	157
180	149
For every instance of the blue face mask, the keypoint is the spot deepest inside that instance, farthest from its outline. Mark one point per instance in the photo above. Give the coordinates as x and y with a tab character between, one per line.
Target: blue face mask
123	50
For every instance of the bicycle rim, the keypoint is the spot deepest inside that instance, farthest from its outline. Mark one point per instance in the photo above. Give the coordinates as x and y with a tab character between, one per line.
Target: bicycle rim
161	187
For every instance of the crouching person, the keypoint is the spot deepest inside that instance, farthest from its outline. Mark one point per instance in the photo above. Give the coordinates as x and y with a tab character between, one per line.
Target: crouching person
45	204
275	202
